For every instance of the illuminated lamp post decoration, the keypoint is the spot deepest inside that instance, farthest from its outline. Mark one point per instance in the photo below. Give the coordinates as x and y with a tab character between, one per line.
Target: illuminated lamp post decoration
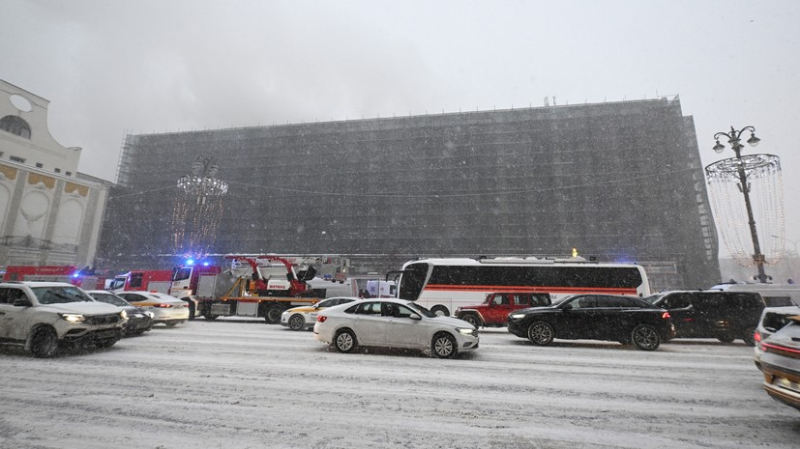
757	177
198	210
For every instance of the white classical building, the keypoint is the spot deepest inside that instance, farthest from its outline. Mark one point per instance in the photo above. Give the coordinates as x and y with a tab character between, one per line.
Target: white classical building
49	213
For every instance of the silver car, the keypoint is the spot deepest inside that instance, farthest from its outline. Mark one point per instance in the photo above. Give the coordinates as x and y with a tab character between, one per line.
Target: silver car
166	309
304	317
780	364
394	323
771	321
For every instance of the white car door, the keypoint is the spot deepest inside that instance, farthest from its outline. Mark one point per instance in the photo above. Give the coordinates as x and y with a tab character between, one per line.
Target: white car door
369	325
401	330
13	319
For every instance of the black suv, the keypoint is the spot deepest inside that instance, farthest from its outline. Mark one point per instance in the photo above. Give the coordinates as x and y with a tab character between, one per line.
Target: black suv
725	316
625	319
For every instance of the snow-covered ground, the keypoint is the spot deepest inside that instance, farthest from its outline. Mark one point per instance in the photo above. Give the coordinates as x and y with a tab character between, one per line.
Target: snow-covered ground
245	384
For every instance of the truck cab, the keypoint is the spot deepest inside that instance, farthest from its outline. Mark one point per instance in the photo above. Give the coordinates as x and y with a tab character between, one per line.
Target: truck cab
494	310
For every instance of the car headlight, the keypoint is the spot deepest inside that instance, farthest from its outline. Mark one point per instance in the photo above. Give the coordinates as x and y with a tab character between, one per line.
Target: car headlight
517	316
466	331
73	317
150	314
123	315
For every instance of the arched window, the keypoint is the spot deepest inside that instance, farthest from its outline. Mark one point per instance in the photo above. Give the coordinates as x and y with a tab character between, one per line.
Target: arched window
15	125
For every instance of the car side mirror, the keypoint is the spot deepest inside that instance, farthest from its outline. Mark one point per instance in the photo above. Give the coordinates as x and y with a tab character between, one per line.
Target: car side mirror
415	317
22	302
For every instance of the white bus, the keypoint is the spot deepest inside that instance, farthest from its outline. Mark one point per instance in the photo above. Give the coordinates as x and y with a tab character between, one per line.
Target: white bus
443	285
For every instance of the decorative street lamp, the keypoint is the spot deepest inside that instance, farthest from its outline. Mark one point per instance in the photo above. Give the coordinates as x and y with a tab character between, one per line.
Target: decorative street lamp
743	171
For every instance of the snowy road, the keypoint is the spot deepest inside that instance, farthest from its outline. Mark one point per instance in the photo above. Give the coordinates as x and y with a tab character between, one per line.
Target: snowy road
240	384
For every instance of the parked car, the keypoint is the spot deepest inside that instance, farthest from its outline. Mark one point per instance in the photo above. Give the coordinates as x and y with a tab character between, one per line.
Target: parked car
624	319
495	309
41	316
394	323
723	315
780	364
139	320
166	309
772	320
304	317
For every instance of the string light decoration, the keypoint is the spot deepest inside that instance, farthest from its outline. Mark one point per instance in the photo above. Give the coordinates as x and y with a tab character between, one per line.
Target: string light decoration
758	178
198	209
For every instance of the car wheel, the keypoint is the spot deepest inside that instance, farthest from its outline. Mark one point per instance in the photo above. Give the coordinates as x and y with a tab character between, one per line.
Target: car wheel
440	310
646	337
273	314
749	336
540	333
297	322
444	345
726	338
345	341
44	342
210	317
472	319
191	311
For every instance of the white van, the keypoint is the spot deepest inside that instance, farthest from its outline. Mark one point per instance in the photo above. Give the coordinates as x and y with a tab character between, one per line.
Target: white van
775	295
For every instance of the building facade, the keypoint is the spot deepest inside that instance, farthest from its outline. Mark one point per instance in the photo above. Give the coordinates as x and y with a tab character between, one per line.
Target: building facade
618	181
49	213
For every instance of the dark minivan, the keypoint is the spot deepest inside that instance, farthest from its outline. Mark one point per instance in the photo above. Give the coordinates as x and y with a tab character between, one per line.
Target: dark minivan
725	316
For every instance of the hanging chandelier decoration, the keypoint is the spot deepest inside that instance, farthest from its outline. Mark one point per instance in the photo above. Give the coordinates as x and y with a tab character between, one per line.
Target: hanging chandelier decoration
203	182
764	189
198	210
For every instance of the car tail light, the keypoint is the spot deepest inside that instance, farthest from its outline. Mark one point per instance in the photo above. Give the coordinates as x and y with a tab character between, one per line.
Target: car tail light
666	315
769	347
321	318
757	336
163	306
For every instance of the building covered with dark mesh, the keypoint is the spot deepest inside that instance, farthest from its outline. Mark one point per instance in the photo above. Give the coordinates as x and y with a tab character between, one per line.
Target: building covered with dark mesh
620	182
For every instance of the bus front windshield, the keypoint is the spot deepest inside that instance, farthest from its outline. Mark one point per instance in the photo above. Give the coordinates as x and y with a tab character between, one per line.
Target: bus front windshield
412	280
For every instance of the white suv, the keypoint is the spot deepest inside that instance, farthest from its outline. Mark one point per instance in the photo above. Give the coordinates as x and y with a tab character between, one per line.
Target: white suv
43	315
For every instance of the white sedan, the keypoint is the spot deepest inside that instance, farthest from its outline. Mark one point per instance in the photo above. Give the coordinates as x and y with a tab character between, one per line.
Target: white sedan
303	317
166	309
393	323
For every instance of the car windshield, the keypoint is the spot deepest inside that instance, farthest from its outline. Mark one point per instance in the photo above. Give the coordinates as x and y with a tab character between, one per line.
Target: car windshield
60	295
421	310
110	299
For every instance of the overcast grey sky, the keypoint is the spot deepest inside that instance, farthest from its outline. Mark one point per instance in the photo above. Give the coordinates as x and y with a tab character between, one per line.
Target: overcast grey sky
113	67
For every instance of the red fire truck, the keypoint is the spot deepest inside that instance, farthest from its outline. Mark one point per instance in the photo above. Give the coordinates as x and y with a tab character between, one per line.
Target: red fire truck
142	280
253	286
84	278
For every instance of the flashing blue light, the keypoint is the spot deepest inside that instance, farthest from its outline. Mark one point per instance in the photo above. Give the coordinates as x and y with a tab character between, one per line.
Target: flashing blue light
75	275
205	264
190	262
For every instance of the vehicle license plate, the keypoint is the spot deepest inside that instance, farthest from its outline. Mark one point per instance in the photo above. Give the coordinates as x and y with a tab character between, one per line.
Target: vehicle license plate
105	334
